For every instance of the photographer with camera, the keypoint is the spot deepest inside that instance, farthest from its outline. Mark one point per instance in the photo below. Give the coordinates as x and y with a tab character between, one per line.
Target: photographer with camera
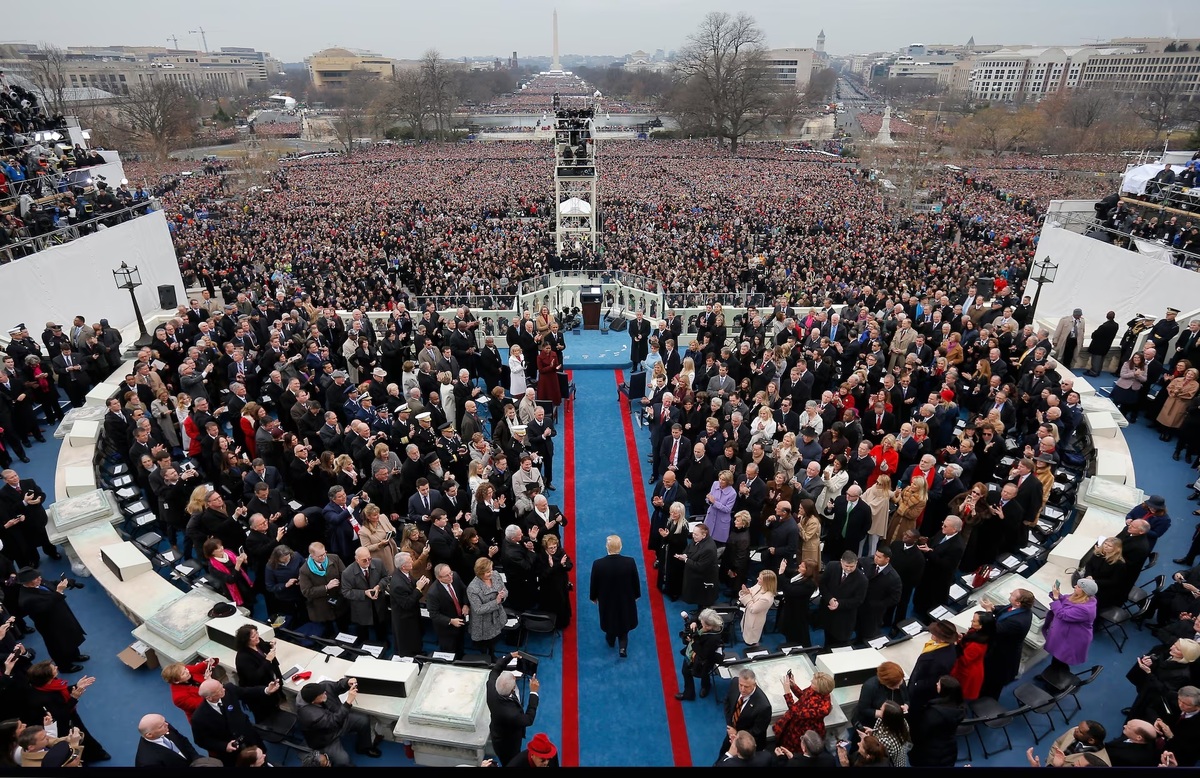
703	640
52	617
323	719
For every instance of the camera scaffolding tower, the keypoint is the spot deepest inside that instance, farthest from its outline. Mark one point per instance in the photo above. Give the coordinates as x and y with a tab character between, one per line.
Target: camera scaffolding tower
576	180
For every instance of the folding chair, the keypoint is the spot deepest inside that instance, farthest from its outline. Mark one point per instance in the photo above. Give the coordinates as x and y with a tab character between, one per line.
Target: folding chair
541	623
1114	618
992	715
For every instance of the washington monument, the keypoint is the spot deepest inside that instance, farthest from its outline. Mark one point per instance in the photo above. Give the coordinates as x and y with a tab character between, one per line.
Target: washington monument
555	64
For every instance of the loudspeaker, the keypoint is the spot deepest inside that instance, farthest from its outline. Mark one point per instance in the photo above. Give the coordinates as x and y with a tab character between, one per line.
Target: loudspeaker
620	325
986	286
166	297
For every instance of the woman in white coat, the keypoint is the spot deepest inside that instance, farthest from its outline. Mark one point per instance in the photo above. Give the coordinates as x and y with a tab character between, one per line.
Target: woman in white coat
516	366
835	479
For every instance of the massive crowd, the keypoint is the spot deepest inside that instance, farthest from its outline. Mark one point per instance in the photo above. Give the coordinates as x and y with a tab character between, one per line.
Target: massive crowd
467	222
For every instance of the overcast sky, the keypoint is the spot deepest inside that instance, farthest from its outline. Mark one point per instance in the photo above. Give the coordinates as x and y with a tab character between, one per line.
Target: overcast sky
293	29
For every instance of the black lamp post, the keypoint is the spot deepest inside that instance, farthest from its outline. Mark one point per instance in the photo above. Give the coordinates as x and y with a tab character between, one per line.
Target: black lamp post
1044	273
129	278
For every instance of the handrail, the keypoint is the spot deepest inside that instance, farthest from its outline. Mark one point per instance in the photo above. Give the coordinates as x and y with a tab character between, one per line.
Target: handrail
69	233
1091	223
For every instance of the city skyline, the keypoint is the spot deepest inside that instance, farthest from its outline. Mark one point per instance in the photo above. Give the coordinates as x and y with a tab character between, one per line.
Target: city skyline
474	28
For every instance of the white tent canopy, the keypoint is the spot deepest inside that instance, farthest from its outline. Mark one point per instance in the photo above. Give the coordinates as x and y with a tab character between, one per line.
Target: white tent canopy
1136	178
574	207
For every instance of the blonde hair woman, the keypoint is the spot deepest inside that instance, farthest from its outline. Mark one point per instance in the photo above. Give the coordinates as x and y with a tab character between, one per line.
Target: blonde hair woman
879	498
183	404
687	373
756	601
786	455
910	506
516	368
762	430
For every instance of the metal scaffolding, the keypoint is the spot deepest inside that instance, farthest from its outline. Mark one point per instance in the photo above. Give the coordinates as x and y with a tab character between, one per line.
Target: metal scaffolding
576	181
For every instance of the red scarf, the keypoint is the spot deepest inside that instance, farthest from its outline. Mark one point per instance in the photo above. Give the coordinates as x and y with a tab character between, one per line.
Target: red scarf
59	685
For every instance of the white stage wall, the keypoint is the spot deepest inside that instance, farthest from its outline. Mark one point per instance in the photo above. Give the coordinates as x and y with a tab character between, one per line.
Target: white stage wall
76	278
1099	277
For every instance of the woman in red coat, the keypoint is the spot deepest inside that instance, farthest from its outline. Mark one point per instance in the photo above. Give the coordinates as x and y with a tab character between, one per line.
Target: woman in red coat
547	382
807	710
185	681
887	459
249	424
968	669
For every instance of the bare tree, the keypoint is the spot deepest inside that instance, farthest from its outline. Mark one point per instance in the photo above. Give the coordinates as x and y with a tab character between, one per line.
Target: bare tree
410	100
820	86
1157	105
439	88
348	125
724	63
157	116
998	130
48	66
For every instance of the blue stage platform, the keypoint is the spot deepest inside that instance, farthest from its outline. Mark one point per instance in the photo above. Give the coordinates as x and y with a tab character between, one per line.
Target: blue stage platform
594	350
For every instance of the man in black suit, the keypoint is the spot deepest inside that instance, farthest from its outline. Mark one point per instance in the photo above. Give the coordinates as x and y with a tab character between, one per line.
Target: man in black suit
909	563
53	618
161	745
448	608
1010	533
1182	729
1137	746
747	709
71	372
878	423
491	366
883	592
847	525
1003	660
673	451
1101	341
1029	488
23	497
751	496
615	588
742	753
639	339
407	632
812	753
698	475
509	719
671	359
220	725
942	556
783	537
843	590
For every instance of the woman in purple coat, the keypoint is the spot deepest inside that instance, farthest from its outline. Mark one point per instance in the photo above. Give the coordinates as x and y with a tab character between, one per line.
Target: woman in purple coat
720	500
1068	627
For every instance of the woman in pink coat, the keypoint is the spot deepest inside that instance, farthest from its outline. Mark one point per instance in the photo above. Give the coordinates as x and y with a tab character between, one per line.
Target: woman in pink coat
720	501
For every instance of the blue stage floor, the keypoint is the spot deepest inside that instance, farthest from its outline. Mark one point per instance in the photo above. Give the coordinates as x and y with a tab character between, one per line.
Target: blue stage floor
594	350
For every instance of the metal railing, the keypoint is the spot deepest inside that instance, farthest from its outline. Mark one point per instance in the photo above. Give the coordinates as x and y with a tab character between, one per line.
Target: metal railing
35	243
1085	224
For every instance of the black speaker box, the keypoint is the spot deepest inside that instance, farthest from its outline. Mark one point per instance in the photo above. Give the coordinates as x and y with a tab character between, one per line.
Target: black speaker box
166	297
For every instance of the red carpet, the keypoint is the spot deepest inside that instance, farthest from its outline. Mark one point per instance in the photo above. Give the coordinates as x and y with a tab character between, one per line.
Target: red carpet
662	632
569	750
